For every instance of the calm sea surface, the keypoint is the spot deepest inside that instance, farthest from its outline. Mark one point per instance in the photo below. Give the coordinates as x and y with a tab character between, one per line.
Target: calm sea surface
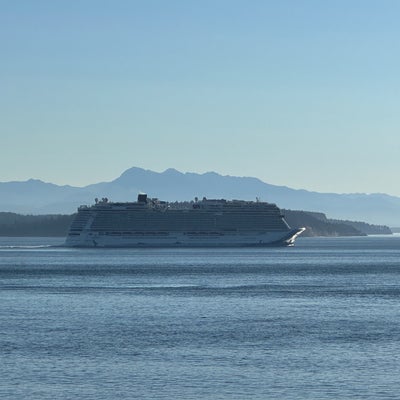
320	320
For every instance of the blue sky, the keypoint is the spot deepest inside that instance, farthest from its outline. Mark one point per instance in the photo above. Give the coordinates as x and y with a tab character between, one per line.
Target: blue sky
297	93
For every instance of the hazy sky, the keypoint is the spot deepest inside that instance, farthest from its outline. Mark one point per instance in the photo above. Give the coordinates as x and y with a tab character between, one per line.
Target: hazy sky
298	93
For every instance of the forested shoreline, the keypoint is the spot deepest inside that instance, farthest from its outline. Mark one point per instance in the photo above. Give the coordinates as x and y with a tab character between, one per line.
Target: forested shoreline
316	224
12	224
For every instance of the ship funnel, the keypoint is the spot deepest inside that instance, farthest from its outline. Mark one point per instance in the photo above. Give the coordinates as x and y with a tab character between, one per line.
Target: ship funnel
142	198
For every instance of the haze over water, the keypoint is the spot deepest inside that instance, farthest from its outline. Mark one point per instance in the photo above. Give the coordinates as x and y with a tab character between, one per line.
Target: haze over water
316	321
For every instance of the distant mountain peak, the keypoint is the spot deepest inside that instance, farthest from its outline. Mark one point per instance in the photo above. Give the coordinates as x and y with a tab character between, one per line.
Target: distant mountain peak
211	173
132	172
172	171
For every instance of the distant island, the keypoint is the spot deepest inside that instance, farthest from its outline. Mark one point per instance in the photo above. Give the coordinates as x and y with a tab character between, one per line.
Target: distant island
316	224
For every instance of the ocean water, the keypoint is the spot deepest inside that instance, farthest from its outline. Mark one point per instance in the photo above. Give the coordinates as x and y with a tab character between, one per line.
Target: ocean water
320	320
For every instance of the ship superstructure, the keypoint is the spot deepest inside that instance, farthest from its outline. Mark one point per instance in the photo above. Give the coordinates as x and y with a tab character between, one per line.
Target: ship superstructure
205	223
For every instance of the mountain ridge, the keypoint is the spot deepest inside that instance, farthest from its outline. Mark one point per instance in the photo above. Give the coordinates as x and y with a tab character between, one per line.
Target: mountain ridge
35	196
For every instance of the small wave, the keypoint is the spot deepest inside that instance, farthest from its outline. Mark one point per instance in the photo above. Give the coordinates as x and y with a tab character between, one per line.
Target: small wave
20	247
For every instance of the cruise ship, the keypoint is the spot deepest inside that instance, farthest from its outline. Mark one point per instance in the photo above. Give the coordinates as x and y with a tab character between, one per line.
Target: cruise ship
150	222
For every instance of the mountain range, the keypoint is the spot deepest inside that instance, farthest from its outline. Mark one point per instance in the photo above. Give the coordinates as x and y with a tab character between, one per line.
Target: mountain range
38	197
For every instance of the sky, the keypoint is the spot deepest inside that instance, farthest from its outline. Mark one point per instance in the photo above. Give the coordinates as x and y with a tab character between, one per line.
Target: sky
300	93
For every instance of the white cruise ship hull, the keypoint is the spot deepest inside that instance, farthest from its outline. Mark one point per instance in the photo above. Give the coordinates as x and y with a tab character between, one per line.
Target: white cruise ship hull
176	239
205	223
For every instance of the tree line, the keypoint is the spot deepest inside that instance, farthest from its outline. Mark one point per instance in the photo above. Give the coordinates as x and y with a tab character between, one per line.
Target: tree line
12	224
